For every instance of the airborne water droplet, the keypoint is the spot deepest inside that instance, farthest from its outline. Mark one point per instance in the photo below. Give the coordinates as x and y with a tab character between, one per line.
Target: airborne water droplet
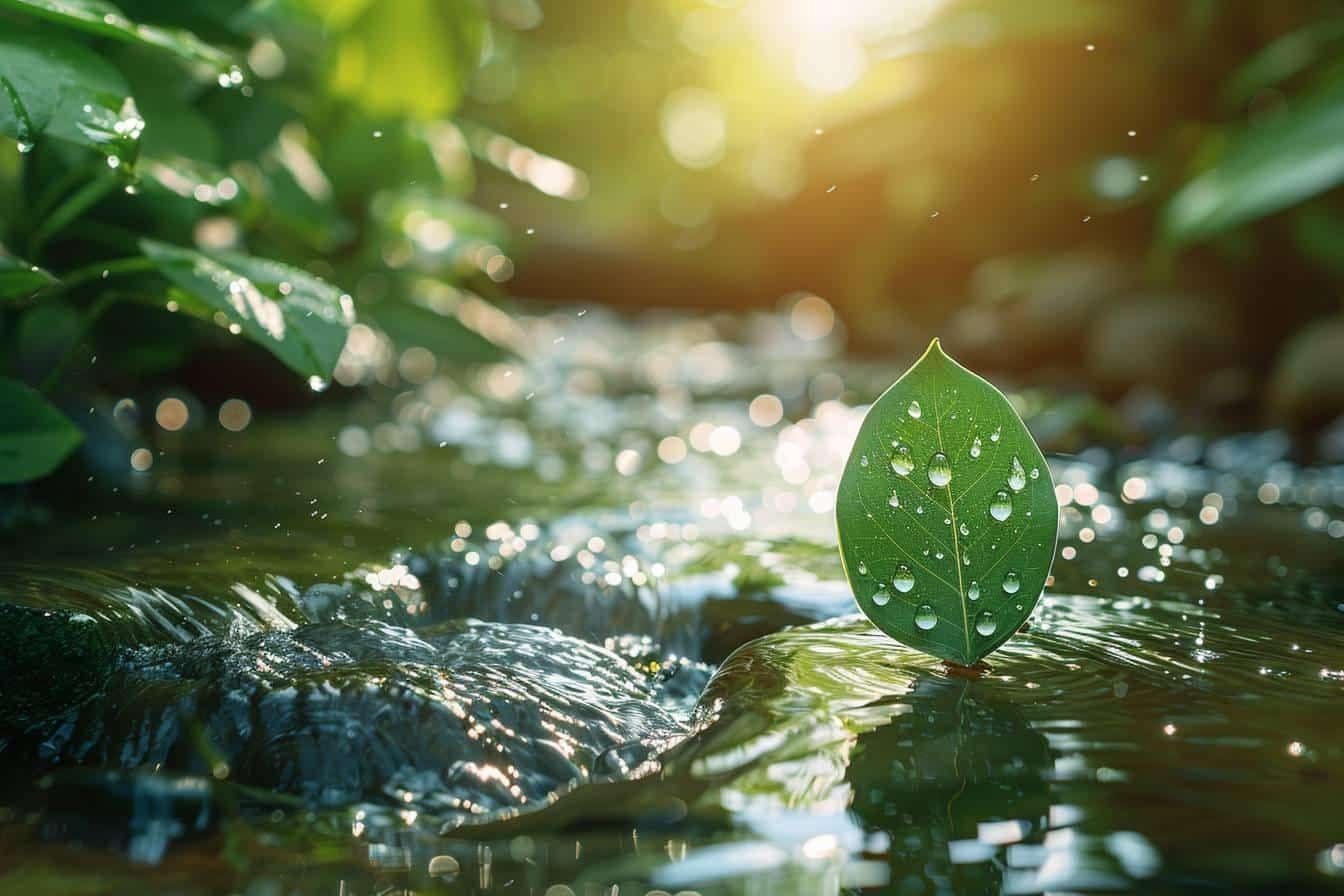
985	624
1011	583
901	462
914	410
925	617
1001	507
940	472
975	447
1017	477
973	591
904	579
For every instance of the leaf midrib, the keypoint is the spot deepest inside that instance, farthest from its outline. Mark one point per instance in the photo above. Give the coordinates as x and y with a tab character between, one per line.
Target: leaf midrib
952	515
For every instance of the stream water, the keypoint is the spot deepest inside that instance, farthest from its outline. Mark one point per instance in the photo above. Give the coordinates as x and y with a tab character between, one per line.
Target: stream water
579	627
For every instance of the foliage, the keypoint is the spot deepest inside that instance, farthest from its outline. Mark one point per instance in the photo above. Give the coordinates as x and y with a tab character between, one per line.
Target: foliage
974	134
230	162
946	513
1293	154
34	436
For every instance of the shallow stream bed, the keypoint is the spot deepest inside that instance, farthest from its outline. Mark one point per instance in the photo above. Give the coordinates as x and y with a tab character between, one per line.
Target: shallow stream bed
579	626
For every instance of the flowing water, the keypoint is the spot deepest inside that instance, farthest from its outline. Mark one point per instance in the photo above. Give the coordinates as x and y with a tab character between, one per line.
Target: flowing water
580	627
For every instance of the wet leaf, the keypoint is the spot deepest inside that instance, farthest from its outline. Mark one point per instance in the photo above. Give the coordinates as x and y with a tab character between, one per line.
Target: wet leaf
103	18
1293	155
18	278
190	179
34	436
946	513
299	318
408	325
50	86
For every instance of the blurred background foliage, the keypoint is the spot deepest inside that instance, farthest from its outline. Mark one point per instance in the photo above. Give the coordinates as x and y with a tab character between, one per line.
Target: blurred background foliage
1138	201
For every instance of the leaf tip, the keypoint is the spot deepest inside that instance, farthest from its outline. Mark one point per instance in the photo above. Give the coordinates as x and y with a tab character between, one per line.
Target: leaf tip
935	349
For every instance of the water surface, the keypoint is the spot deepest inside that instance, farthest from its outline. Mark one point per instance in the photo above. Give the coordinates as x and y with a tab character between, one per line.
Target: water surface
253	667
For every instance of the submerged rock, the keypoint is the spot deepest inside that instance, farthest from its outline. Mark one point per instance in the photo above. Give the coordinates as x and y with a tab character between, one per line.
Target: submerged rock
458	720
38	638
585	594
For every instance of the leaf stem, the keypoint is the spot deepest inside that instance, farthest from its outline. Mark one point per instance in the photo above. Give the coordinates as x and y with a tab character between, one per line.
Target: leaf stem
82	200
135	264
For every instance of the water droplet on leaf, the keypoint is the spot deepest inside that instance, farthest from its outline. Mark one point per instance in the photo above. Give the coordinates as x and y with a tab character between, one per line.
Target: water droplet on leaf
925	617
985	624
1011	583
915	411
940	471
901	462
903	580
1017	477
1001	507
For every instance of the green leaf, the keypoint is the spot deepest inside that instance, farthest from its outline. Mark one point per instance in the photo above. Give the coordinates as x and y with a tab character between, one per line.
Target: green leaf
408	325
437	46
1277	162
103	18
18	278
1282	59
34	436
946	513
299	318
194	180
50	86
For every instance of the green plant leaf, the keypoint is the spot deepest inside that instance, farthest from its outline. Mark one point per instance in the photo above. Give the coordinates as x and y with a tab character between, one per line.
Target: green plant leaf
34	436
50	86
103	18
18	278
408	325
1293	155
438	45
299	318
1282	59
946	513
197	181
